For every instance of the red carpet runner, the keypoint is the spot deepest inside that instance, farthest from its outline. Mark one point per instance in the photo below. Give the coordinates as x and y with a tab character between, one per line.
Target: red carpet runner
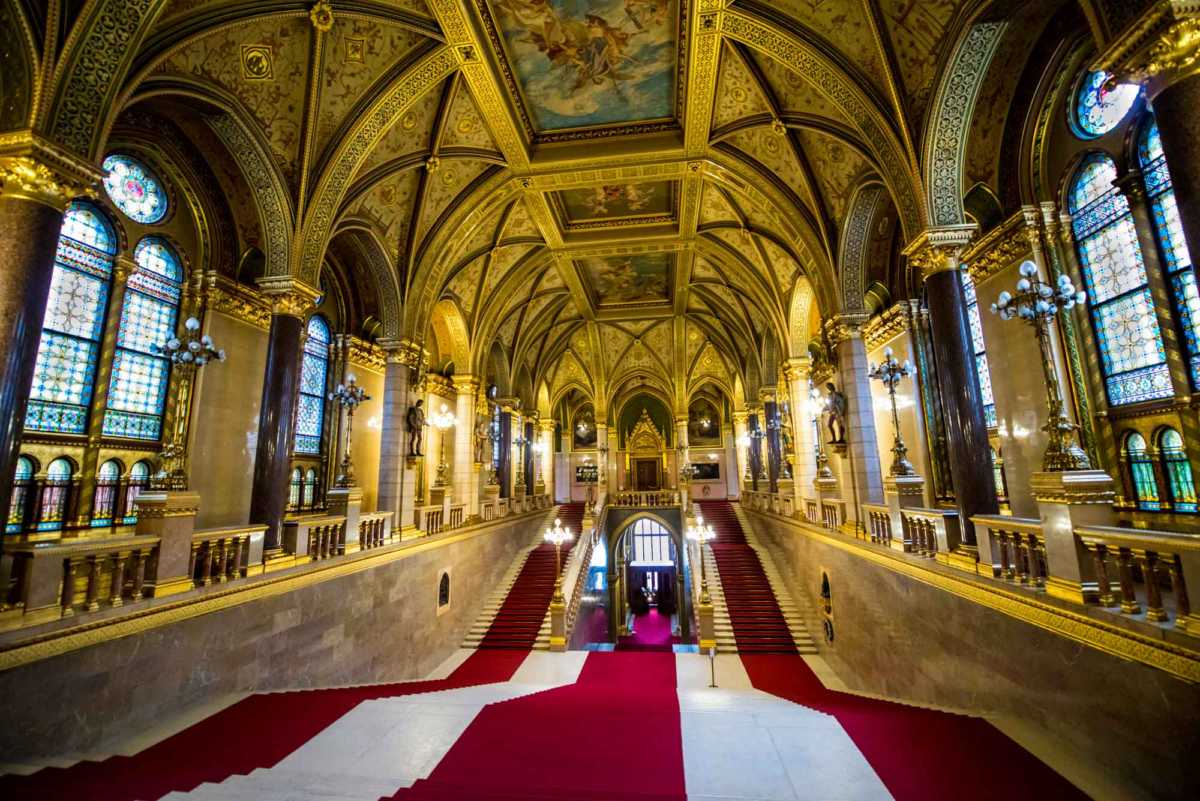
651	632
614	734
256	732
758	625
517	623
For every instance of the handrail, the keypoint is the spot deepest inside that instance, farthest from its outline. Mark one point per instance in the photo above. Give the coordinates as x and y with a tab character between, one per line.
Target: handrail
1173	541
646	498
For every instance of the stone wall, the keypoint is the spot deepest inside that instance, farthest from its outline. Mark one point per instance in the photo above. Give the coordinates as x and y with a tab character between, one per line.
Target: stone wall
1130	723
379	624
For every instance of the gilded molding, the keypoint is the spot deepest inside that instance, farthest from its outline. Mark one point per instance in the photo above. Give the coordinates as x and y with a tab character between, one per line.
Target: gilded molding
367	354
288	296
855	243
321	16
1157	50
1000	248
939	250
880	330
403	351
35	170
239	302
1181	662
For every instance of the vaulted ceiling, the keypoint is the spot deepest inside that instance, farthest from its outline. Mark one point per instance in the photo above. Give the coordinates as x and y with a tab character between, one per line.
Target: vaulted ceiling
649	189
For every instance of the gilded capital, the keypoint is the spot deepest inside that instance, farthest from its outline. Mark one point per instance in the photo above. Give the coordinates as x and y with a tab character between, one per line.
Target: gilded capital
797	369
288	296
366	354
28	178
1157	50
402	351
939	250
465	384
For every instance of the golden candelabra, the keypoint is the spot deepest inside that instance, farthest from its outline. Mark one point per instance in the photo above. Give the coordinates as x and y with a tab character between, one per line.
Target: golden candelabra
558	535
187	354
348	396
889	372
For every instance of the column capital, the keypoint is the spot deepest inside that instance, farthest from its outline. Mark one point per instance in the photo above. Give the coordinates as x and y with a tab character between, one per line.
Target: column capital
1132	185
767	395
681	419
288	296
1157	50
509	405
35	170
938	250
403	351
740	418
546	426
842	327
465	384
798	368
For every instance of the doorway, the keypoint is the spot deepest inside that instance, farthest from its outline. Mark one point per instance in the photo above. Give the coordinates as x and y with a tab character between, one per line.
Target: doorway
652	610
646	474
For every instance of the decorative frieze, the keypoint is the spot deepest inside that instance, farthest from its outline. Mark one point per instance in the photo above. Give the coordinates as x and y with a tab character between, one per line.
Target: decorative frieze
35	170
887	326
367	354
238	301
440	386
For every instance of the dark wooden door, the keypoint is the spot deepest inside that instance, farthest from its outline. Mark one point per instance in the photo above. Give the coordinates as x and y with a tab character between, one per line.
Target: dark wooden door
646	474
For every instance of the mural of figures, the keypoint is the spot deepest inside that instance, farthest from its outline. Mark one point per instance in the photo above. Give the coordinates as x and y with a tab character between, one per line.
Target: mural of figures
617	202
638	278
598	62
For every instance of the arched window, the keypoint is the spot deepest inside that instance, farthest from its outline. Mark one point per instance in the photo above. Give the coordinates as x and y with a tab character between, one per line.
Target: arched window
1178	472
1099	108
1141	470
998	476
139	479
310	488
977	345
1177	261
652	544
56	494
444	590
295	486
22	494
134	189
65	370
1131	347
314	368
137	393
108	486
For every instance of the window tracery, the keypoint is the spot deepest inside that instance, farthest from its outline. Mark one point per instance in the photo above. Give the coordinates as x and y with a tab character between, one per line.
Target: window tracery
1141	470
979	348
1098	108
1177	470
314	371
134	189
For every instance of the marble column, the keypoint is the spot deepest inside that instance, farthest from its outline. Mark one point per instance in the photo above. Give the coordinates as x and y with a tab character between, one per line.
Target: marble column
33	197
504	468
729	467
397	479
962	403
681	448
290	302
528	431
741	430
755	457
866	485
546	438
804	462
605	475
772	442
466	475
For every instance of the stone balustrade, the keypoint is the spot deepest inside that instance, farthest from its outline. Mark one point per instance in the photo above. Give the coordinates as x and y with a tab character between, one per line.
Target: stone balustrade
1014	548
644	498
833	513
315	536
221	554
930	532
51	580
374	529
879	522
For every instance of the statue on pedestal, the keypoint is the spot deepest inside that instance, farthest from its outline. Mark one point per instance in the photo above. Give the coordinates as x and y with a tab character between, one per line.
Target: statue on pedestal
837	406
416	428
483	437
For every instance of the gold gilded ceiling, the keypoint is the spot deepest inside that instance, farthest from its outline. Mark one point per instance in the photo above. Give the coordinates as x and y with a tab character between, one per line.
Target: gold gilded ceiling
648	187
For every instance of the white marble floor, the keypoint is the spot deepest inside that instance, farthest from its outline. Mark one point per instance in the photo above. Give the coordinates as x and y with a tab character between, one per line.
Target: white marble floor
739	744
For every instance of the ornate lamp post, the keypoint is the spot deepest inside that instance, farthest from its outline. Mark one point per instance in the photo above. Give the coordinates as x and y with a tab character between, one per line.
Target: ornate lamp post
702	533
348	396
1037	303
443	420
520	442
890	371
819	402
558	535
187	355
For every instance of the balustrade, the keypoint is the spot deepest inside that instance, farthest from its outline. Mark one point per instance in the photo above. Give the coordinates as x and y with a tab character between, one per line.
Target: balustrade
833	513
221	554
879	522
812	510
1156	555
315	536
374	529
643	498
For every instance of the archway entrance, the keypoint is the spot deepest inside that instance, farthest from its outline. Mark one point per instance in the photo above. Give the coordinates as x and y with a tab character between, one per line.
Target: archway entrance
650	594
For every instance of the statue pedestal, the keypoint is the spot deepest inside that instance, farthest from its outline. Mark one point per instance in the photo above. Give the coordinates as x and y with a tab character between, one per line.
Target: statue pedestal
902	492
708	628
1066	500
170	516
437	495
558	626
347	502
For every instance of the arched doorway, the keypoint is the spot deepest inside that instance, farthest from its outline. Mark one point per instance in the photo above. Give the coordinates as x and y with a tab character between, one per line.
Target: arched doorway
649	586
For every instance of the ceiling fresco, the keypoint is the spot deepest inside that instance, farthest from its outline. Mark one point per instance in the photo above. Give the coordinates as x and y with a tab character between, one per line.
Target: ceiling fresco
616	203
637	278
590	63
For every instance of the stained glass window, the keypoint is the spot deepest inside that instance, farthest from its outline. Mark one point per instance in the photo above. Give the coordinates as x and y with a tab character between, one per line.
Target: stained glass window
652	544
310	487
1131	347
314	369
977	345
104	501
134	190
137	393
139	479
55	494
65	369
1141	469
294	486
1177	262
1178	471
22	494
1098	109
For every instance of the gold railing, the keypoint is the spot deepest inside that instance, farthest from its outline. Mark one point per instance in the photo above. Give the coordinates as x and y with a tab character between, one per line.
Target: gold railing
642	498
221	554
1154	553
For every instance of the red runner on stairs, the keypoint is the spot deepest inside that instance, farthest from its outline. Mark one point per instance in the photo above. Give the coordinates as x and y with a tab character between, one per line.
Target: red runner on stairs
572	743
758	625
520	617
256	732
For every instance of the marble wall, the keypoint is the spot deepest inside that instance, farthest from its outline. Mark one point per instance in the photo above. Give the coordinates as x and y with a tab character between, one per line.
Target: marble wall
380	624
224	429
1130	723
368	425
908	410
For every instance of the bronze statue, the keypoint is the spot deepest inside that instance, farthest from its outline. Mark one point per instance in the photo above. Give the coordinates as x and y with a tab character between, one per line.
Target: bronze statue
483	437
837	415
416	428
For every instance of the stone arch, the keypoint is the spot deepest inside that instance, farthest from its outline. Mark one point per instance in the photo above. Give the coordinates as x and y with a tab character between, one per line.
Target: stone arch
866	202
449	331
945	145
497	370
19	67
380	268
799	311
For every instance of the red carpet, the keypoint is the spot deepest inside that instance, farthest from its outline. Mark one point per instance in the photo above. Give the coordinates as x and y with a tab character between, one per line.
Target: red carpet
919	754
758	625
517	623
573	743
256	732
651	632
